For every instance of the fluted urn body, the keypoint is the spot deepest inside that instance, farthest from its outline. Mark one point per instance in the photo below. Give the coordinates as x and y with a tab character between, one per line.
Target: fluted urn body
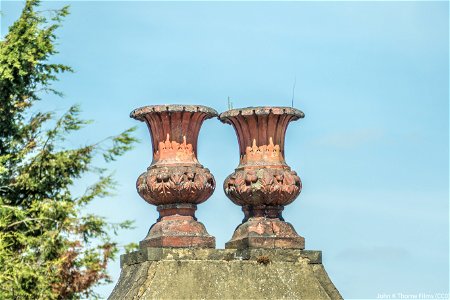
263	183
175	181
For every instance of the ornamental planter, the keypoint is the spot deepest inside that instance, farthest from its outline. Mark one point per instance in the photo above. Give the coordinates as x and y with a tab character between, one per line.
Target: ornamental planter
175	181
262	183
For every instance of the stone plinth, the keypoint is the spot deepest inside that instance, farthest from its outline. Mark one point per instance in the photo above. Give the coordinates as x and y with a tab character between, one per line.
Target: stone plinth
165	273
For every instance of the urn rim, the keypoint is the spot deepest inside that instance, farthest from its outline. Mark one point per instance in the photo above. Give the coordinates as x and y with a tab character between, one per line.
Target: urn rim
140	112
261	110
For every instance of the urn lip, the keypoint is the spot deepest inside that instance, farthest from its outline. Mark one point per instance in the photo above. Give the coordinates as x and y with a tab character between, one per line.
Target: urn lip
140	112
261	110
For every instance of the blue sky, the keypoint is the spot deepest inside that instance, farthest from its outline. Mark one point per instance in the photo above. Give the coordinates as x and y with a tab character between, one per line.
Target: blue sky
372	151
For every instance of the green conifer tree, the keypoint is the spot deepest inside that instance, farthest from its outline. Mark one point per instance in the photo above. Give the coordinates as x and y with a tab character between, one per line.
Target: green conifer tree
49	248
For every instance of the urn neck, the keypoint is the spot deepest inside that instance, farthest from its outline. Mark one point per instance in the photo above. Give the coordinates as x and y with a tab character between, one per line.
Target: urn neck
263	211
179	209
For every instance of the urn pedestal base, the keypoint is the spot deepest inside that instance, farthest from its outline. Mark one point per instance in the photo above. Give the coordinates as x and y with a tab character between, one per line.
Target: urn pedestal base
268	233
177	227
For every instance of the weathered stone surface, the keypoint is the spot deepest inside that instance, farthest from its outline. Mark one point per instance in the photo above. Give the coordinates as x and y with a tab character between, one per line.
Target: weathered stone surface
164	273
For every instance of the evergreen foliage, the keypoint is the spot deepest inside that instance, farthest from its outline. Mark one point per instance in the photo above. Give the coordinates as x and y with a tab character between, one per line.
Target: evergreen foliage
49	248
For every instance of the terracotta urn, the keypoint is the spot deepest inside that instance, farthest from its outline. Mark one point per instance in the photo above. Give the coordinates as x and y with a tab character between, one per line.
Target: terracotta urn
263	183
175	181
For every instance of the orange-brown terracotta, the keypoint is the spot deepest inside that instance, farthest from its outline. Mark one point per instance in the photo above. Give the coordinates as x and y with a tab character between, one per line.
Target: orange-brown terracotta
263	183
175	181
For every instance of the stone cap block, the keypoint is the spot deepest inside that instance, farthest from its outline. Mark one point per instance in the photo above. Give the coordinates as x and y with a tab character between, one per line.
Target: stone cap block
179	254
